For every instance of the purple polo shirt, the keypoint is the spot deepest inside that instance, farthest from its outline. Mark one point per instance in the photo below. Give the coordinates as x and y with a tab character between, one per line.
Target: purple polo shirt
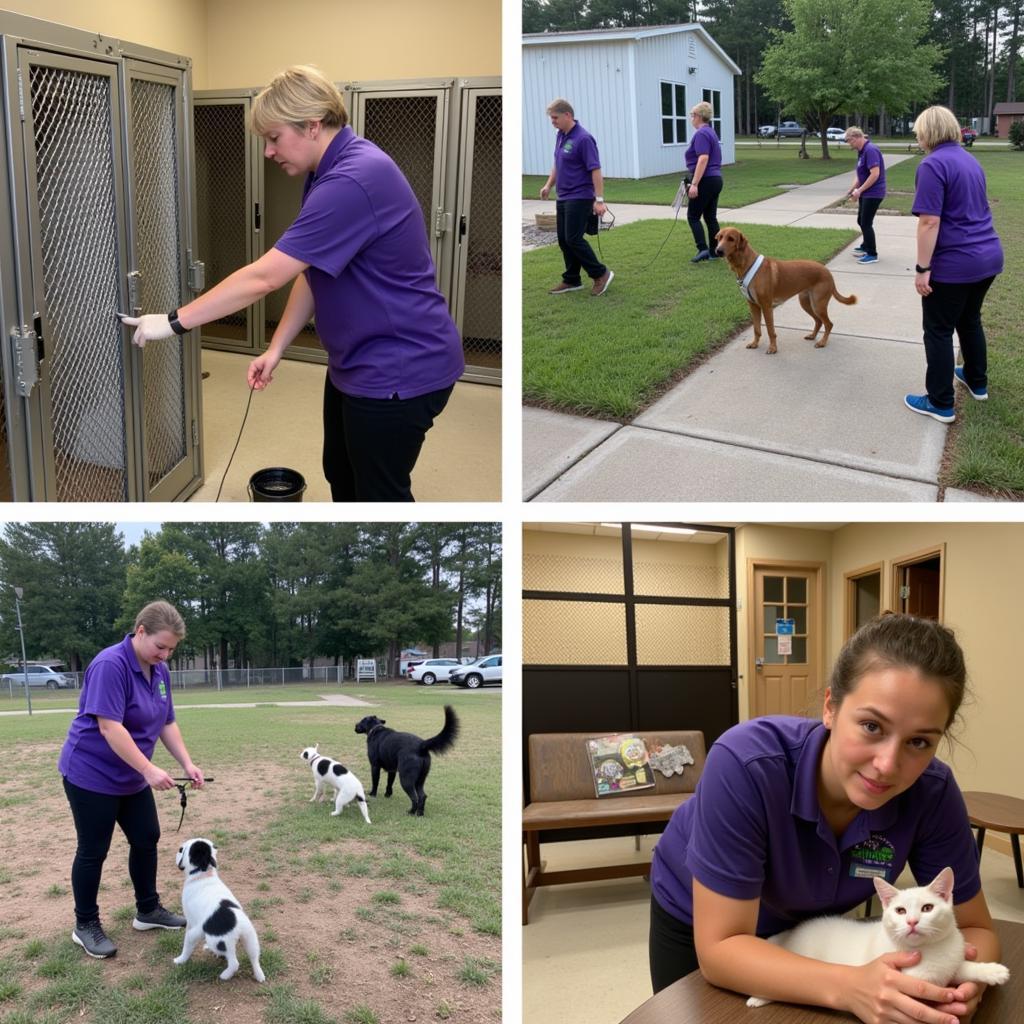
384	324
115	688
704	141
754	829
575	157
950	185
871	156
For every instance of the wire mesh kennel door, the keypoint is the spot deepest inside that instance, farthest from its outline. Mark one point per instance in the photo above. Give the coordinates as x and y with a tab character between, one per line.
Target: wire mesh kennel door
163	372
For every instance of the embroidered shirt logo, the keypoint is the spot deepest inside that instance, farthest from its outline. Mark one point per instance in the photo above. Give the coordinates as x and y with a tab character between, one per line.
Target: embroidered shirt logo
567	146
163	690
872	858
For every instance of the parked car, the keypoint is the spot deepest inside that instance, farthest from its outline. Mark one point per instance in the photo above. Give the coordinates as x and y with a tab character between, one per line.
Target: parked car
968	135
409	666
790	128
835	134
428	672
478	673
38	675
766	131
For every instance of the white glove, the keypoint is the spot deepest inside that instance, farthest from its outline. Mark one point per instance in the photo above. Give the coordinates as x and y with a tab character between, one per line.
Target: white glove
148	327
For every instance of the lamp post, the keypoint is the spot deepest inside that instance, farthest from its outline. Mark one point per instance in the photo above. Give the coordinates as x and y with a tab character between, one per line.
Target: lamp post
18	594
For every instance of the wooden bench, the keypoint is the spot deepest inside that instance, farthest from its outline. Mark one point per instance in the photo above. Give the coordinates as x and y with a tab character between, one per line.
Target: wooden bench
562	796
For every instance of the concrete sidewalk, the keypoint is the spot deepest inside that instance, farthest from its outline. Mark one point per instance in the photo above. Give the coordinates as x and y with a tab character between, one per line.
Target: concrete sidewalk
806	424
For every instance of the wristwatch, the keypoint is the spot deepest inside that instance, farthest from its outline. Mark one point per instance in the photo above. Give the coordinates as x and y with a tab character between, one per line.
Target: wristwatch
598	199
176	325
920	269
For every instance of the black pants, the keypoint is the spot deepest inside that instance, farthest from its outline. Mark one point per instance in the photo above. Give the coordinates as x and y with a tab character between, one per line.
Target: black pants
954	307
867	207
95	815
706	206
372	444
670	947
571	217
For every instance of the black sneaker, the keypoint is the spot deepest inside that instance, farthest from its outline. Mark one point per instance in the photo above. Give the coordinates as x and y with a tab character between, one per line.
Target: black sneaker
91	937
158	917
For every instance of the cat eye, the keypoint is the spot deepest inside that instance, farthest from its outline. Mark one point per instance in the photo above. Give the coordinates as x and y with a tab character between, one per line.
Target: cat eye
901	910
927	907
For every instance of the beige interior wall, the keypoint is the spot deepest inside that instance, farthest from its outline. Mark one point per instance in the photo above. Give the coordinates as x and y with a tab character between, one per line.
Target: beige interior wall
251	40
178	26
983	573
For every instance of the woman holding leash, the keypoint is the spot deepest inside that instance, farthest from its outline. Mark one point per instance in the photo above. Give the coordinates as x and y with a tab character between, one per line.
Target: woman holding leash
359	259
124	708
793	818
704	164
958	257
868	189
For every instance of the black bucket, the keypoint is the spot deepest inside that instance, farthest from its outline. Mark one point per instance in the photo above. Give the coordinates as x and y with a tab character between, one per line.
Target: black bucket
276	484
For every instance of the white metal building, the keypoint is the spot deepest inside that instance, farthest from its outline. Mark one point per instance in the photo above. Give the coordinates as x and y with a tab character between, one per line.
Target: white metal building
632	89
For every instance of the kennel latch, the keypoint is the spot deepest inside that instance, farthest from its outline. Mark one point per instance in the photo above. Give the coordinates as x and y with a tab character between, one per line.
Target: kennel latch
196	272
25	349
442	222
134	280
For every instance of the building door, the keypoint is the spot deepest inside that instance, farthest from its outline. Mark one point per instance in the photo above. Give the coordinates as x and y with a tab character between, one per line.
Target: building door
863	596
785	670
918	582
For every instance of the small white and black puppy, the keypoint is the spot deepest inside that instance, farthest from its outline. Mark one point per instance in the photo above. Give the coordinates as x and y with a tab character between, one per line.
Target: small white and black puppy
327	772
211	910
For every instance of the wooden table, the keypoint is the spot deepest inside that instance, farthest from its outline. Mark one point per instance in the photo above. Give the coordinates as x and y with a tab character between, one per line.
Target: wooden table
1001	814
691	1000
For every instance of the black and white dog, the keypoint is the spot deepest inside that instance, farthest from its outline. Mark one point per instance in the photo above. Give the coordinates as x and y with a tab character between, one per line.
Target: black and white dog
406	754
327	772
212	911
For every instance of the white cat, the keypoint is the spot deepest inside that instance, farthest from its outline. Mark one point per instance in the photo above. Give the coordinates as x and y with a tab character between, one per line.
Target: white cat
919	919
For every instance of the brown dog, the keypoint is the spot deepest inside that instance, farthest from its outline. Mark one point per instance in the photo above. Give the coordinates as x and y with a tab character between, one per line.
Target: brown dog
777	280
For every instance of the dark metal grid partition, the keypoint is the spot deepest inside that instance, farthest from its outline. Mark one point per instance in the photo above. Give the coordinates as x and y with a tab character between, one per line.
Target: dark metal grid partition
637	693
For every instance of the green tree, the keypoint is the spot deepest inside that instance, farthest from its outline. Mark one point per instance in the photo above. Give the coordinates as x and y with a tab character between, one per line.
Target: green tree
844	56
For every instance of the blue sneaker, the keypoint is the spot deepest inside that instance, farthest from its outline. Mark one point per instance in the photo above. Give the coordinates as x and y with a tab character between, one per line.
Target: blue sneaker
868	258
958	376
920	403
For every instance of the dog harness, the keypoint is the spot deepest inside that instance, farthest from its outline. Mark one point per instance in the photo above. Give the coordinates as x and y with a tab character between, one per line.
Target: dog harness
749	276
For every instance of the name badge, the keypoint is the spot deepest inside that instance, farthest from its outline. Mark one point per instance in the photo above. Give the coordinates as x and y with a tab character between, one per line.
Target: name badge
872	858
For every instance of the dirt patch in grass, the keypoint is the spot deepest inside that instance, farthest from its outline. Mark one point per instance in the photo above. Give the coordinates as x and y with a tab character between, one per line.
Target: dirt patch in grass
326	933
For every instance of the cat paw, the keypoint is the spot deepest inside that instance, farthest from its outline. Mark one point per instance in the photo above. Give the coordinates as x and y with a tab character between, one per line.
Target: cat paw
754	1001
993	974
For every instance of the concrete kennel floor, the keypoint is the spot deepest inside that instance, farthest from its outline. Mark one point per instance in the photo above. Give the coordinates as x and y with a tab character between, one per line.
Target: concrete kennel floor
460	461
585	948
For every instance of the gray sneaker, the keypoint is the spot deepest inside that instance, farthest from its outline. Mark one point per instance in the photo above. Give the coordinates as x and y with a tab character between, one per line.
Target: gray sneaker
91	937
157	918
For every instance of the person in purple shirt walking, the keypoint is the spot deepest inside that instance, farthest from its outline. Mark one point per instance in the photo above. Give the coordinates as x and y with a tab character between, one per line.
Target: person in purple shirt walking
958	257
704	164
577	174
868	189
793	818
125	706
360	260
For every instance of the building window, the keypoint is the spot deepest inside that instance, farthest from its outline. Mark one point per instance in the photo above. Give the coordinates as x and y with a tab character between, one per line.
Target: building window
714	97
673	113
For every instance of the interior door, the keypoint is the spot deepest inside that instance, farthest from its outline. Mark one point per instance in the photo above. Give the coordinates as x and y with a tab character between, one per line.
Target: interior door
165	373
75	204
785	684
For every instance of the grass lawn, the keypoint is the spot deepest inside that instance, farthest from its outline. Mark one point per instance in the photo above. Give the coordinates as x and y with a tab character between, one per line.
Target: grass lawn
358	923
611	356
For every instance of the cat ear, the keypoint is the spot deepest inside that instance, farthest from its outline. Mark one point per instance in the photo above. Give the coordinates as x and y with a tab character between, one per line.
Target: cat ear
942	884
885	891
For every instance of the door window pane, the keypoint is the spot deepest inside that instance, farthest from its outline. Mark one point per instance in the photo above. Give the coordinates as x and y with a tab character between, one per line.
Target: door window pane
773	589
797	589
799	655
771	651
771	613
799	617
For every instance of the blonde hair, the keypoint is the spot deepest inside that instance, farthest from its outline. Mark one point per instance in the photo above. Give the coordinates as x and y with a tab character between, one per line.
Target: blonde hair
297	95
853	132
158	616
561	107
704	111
934	125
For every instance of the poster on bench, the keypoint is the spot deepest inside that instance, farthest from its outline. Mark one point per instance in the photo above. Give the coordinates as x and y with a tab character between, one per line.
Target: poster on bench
620	764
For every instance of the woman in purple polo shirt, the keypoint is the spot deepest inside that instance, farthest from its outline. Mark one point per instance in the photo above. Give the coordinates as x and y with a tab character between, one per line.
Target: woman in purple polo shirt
360	260
958	258
793	818
704	163
868	189
124	708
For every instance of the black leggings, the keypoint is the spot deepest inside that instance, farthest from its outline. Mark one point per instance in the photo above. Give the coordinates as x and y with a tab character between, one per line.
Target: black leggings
706	206
670	948
867	207
95	815
372	444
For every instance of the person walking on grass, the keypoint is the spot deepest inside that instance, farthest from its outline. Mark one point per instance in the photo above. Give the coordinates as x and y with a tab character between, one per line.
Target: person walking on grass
958	257
704	164
125	706
868	189
577	174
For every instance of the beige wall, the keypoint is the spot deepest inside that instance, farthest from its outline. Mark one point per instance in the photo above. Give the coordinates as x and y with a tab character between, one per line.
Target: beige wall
242	43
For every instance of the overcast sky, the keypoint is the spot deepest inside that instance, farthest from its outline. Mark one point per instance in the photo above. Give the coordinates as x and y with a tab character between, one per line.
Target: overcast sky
133	531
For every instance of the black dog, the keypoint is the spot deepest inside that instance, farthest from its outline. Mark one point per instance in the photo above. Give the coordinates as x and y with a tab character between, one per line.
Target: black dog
406	754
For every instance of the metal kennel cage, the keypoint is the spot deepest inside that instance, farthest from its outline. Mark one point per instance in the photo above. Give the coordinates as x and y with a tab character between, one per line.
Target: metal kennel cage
97	218
445	135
